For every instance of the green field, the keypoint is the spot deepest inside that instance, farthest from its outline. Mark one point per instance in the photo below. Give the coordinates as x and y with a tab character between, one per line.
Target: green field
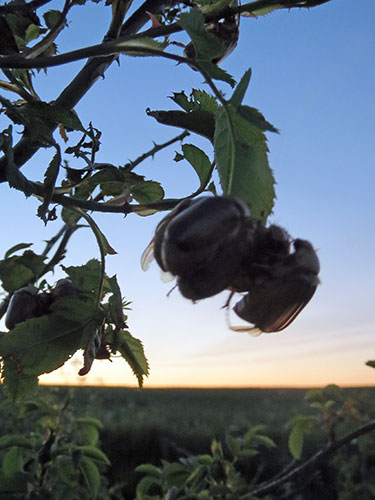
153	424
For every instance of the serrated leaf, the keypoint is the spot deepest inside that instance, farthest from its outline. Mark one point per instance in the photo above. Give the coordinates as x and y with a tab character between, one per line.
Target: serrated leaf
242	163
86	277
19	270
17	386
181	99
198	121
110	180
91	474
15	248
199	161
240	90
131	349
217	73
255	117
147	192
261	12
41	345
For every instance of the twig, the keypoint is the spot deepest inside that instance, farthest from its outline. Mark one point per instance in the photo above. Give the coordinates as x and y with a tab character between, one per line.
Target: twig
60	251
158	147
313	461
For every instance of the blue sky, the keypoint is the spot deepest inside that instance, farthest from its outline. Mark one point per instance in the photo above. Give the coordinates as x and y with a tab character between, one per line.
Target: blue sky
312	77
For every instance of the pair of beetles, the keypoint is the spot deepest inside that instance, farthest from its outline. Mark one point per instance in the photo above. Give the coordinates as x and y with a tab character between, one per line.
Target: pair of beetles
212	244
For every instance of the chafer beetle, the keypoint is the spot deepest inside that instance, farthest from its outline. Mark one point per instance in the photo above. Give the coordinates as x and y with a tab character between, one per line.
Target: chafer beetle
278	295
202	242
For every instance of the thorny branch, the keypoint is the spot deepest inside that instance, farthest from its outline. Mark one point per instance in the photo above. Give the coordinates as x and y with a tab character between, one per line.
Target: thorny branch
313	461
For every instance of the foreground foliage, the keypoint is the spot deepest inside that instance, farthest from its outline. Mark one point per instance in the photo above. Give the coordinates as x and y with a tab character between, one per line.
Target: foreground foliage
47	451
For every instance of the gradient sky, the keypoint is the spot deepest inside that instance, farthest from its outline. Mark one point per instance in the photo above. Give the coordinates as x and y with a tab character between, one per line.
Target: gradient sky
314	79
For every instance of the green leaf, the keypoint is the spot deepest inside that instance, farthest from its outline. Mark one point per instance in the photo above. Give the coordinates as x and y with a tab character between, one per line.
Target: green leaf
32	32
16	440
240	90
50	177
216	449
12	461
95	454
85	278
295	441
55	114
371	363
261	12
198	100
15	248
89	434
147	192
116	307
241	157
51	18
255	117
17	385
302	426
217	73
199	161
207	45
131	349
41	345
265	440
110	180
140	47
18	271
149	469
144	486
315	395
198	121
91	474
233	445
175	474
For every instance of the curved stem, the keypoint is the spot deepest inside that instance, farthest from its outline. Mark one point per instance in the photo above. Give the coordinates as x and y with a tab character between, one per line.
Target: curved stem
313	461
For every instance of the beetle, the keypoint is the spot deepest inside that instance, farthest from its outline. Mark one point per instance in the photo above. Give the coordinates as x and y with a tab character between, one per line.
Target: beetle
279	295
227	31
22	306
202	242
